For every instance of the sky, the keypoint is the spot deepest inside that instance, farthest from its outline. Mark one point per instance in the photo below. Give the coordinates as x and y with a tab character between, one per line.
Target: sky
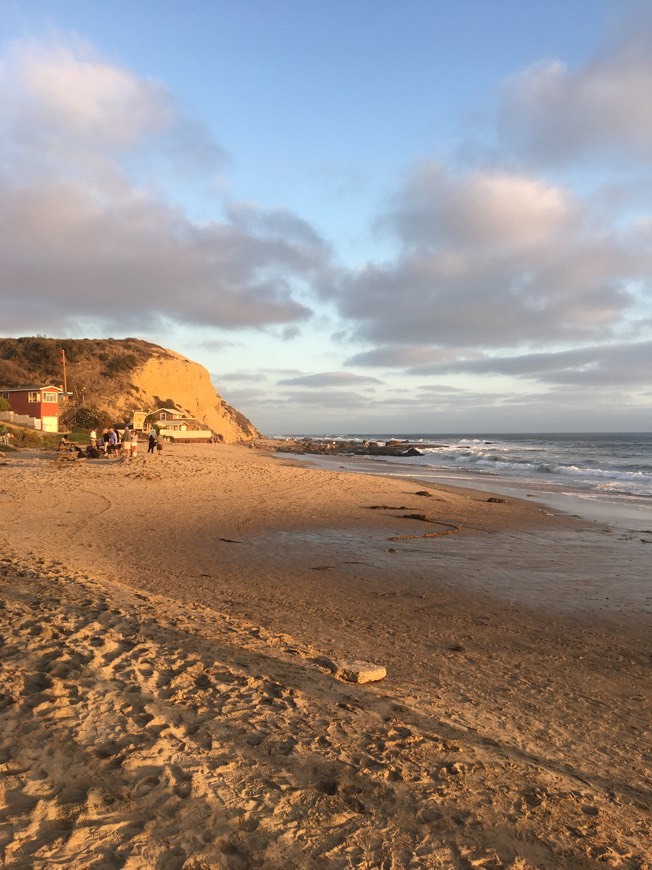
360	216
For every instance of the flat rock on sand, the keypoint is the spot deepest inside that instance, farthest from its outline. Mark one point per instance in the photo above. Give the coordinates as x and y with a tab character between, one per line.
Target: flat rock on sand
362	672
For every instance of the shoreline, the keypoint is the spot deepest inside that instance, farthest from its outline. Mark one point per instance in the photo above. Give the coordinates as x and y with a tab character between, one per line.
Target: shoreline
193	601
622	511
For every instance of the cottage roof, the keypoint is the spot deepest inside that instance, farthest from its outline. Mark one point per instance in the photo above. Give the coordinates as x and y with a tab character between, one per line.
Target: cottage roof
168	410
31	388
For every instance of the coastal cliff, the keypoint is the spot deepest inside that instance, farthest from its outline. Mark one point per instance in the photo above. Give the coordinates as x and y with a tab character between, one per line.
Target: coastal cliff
111	378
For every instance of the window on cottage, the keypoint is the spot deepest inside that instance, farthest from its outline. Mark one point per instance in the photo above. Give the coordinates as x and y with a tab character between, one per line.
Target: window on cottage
33	397
4	396
49	397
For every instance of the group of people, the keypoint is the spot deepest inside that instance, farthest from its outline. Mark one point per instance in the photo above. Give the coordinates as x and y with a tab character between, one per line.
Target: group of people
121	442
112	442
154	441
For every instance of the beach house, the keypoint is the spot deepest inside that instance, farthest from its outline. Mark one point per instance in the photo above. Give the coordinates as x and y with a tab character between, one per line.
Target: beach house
174	426
35	406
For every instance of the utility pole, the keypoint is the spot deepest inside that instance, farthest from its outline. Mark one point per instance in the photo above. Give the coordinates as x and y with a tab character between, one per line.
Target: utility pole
63	363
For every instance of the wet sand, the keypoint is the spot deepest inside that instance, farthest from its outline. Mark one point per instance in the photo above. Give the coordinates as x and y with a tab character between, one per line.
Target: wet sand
172	629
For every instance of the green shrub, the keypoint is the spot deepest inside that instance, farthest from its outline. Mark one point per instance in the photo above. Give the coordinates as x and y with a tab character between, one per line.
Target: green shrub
88	418
80	436
29	438
123	363
42	353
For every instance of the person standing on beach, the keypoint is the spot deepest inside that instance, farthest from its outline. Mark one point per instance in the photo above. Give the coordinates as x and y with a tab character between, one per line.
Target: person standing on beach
126	443
113	442
151	441
134	443
159	444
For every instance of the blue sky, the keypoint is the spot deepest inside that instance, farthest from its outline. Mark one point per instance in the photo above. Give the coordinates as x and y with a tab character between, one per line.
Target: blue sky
359	216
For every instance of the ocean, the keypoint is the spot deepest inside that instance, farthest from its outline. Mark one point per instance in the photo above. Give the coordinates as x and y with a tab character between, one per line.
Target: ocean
601	476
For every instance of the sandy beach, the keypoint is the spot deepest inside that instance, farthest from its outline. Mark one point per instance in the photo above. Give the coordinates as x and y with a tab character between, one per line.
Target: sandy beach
175	633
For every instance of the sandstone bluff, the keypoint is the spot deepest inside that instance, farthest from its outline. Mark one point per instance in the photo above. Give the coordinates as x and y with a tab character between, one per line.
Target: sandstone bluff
112	378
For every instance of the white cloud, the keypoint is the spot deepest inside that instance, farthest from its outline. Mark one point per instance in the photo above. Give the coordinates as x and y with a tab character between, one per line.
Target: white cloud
328	380
553	112
402	356
244	396
133	260
240	377
81	242
337	399
615	366
542	271
67	92
436	209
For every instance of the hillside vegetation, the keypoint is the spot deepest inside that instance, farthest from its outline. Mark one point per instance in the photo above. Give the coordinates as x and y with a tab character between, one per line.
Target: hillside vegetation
111	378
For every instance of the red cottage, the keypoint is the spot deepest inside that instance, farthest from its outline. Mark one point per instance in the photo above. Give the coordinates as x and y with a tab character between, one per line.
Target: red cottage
39	403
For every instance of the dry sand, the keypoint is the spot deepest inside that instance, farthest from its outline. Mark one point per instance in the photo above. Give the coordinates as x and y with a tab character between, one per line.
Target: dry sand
170	628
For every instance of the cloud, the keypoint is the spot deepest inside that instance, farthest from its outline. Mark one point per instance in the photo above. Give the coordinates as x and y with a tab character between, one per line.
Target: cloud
243	396
440	390
551	112
276	223
615	366
66	93
484	210
544	270
290	332
337	399
401	356
217	344
328	380
491	262
82	242
245	377
132	261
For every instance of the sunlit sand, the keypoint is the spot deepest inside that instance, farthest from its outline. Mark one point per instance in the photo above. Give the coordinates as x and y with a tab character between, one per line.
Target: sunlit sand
172	629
